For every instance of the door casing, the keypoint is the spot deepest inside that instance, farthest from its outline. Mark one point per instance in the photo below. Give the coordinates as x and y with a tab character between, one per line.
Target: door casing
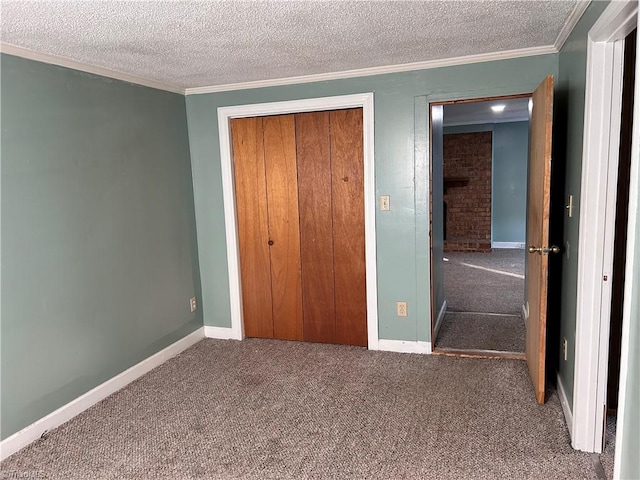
603	106
225	114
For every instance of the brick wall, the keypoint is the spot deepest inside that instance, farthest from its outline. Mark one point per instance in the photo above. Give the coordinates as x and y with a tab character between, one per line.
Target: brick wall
467	184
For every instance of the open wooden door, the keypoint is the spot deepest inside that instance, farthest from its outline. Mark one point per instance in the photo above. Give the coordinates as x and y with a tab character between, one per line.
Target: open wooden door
538	234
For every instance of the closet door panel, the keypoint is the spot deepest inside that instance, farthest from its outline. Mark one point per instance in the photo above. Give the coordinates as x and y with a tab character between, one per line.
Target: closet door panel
253	238
282	199
347	161
316	238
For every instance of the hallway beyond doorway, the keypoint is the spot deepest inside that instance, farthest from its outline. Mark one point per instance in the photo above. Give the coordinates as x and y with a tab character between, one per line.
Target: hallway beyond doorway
484	294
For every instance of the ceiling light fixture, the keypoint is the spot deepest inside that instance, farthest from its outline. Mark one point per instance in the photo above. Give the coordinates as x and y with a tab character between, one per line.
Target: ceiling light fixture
498	108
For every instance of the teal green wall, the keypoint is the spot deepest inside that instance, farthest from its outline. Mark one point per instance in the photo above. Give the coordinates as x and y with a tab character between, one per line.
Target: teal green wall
99	255
402	245
510	146
568	136
630	444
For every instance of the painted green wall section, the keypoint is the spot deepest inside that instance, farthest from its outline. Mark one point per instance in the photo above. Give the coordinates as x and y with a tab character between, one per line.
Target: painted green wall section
630	444
568	136
509	190
99	254
402	251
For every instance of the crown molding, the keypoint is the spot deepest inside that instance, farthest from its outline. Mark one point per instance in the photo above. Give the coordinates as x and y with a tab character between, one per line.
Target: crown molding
85	67
321	77
571	23
366	72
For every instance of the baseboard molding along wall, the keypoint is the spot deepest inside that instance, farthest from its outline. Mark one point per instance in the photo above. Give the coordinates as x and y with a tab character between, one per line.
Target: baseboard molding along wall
222	333
507	245
439	320
566	408
24	437
402	346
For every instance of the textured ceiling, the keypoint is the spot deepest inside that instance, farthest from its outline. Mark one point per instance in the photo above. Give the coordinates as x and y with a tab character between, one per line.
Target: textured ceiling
193	44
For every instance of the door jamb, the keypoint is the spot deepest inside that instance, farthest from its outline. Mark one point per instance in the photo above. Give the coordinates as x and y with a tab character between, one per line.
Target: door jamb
603	103
225	114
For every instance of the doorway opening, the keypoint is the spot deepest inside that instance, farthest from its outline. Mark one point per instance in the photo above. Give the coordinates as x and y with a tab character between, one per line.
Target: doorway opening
484	155
538	251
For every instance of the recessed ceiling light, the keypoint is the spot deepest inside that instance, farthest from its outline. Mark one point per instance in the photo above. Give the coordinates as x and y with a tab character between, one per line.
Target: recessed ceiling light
497	108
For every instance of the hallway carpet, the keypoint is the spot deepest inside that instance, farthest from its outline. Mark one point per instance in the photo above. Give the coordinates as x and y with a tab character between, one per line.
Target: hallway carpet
482	331
485	282
478	284
268	409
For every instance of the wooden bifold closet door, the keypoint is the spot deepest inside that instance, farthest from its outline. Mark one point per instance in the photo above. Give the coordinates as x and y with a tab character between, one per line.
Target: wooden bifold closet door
299	183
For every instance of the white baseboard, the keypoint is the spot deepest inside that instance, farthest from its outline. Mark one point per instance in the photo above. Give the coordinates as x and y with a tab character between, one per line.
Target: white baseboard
507	245
24	437
566	408
402	346
439	320
221	333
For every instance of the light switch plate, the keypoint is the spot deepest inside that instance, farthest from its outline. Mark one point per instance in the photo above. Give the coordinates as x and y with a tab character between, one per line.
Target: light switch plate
570	206
384	203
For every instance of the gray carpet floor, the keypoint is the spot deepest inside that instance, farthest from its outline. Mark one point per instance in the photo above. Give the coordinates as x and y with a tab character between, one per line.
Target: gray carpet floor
484	283
471	286
262	409
484	332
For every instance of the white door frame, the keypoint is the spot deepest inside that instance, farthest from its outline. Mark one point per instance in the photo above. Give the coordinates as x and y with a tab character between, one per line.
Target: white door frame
225	114
603	103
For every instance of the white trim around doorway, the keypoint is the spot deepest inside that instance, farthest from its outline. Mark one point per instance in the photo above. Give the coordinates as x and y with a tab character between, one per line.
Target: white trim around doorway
605	56
225	114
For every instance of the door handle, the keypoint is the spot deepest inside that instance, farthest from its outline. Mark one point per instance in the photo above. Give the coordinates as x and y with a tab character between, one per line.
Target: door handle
544	250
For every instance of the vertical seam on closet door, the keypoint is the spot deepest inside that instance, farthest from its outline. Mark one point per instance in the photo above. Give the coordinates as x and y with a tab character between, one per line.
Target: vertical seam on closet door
295	142
333	230
295	133
266	190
